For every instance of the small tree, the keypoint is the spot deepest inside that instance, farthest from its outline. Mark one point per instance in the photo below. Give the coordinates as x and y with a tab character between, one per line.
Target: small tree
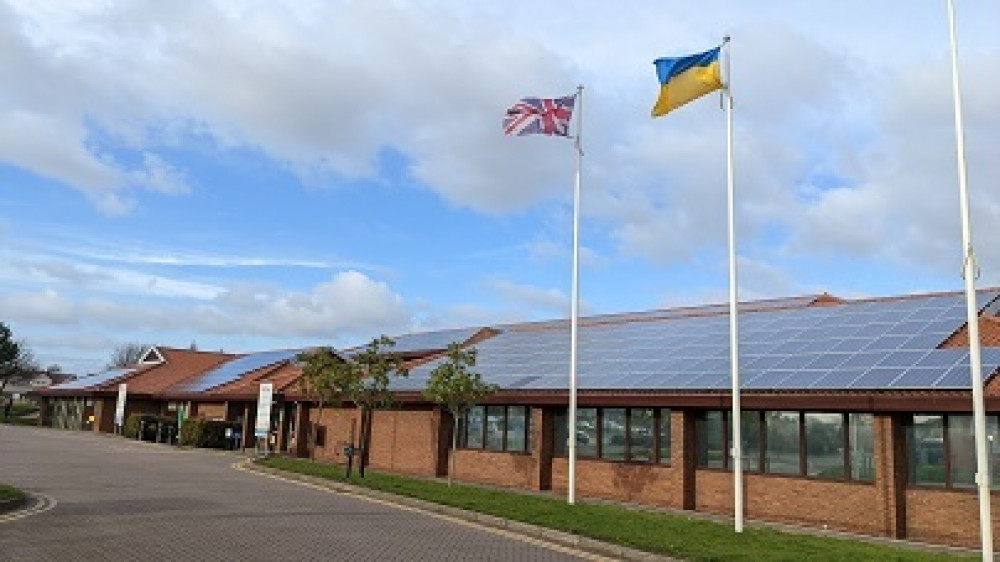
17	363
330	379
457	389
379	366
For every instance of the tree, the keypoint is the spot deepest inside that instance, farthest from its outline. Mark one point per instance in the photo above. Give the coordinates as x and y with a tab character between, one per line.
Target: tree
329	378
371	392
17	363
127	354
457	389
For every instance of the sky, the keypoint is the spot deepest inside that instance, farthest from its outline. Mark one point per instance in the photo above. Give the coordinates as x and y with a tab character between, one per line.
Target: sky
253	175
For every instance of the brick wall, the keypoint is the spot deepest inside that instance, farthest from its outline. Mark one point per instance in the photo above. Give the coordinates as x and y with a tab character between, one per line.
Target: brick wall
651	484
947	517
494	467
404	441
337	427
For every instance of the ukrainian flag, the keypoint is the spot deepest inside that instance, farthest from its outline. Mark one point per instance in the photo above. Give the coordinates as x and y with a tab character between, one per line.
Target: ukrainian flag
683	79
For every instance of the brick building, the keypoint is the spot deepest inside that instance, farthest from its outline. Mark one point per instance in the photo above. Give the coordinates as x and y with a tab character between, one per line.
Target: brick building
856	413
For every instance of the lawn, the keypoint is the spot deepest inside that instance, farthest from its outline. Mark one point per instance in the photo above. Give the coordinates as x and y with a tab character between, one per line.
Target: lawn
9	494
21	413
673	535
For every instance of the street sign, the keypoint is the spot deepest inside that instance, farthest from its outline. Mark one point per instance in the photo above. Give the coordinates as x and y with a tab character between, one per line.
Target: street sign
120	406
263	425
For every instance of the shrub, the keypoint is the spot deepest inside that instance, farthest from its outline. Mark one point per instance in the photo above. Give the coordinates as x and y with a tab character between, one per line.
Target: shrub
210	434
153	427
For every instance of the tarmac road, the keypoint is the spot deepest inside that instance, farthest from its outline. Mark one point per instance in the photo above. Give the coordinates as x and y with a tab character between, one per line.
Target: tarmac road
107	498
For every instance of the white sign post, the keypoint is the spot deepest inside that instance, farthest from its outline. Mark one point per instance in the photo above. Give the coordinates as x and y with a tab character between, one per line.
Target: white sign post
263	426
120	408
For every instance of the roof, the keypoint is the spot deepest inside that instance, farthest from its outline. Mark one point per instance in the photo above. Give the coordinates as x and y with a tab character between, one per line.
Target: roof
236	368
785	345
176	366
425	342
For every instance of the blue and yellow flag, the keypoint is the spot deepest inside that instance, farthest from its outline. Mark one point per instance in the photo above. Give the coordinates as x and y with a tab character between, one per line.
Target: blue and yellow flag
683	79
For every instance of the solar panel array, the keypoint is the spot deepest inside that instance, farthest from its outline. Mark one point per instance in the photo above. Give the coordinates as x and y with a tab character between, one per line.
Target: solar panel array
864	345
94	380
426	341
234	369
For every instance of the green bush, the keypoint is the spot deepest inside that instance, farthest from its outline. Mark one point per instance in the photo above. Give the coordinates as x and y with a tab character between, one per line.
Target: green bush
153	427
209	434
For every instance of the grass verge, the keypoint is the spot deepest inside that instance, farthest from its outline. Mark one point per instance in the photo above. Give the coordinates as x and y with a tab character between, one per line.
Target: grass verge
10	495
660	533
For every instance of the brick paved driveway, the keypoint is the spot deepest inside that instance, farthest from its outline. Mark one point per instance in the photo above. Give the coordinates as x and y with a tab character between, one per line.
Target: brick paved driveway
117	499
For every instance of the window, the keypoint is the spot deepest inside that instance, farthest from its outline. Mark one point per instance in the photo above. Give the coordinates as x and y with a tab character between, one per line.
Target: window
586	432
862	446
663	440
782	437
711	435
617	434
750	440
640	434
475	417
825	445
496	428
925	445
814	444
613	434
941	450
517	424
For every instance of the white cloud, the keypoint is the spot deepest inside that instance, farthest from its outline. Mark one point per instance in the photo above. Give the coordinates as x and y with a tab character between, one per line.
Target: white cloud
349	303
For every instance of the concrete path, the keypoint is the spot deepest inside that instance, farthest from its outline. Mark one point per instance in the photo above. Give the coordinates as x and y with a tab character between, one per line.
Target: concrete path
106	498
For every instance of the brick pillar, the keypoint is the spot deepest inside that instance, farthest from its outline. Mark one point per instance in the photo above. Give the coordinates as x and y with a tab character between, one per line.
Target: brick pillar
683	455
249	441
890	474
542	435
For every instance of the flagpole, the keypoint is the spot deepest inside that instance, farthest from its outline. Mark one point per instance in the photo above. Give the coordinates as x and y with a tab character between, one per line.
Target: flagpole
733	302
575	300
972	310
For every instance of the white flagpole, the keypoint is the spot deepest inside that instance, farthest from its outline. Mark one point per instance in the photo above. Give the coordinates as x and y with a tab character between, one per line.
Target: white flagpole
575	299
734	354
972	311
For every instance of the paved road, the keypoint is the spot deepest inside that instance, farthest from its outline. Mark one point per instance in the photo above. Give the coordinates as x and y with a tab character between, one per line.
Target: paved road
116	499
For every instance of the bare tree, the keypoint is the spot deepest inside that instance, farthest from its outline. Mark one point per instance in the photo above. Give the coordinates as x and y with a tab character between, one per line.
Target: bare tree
457	389
127	354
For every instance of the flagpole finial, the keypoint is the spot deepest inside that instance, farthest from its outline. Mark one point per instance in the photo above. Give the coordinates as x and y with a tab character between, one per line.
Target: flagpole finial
725	38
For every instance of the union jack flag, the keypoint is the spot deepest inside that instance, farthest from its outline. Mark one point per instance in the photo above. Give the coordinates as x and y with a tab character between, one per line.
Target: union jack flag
546	116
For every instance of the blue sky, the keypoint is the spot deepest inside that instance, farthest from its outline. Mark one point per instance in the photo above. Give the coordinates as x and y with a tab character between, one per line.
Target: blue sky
257	175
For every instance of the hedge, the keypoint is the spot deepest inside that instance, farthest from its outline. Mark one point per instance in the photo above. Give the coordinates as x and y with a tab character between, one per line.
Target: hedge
210	434
154	426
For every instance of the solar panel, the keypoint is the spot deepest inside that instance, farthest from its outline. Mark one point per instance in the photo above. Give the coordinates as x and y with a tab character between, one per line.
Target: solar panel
234	369
863	345
92	381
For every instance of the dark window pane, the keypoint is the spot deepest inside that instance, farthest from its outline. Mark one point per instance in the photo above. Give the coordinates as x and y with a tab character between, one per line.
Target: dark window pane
782	434
825	445
641	434
586	432
925	448
664	452
494	428
709	430
613	434
862	443
474	437
528	431
516	426
560	437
